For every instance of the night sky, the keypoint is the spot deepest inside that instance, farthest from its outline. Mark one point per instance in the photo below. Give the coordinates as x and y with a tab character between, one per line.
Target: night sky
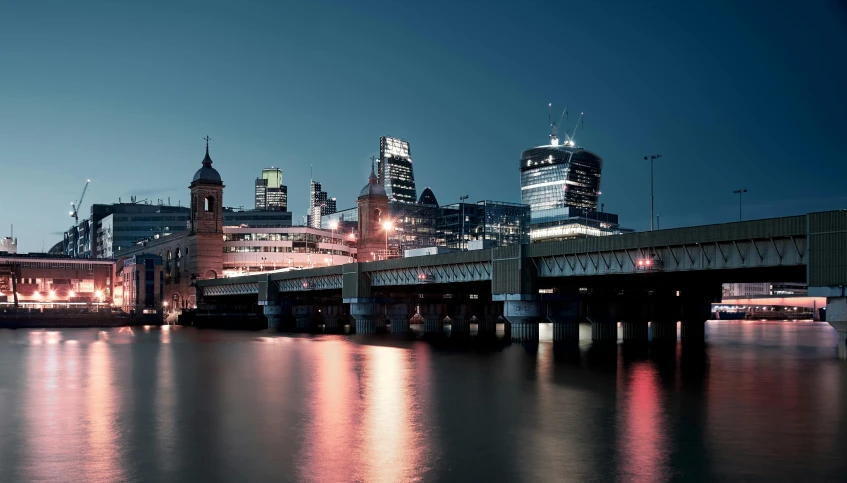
732	95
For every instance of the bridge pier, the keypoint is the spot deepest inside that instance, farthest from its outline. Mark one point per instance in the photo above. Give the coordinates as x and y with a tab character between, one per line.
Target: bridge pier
665	311
565	319
836	316
460	320
398	316
602	313
696	308
333	316
363	311
487	323
433	318
635	317
274	313
522	312
304	317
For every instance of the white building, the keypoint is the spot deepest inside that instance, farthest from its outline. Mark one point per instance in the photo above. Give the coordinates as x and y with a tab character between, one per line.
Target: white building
248	250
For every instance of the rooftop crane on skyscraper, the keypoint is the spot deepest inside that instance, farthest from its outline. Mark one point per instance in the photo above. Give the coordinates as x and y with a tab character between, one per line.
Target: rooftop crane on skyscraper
75	205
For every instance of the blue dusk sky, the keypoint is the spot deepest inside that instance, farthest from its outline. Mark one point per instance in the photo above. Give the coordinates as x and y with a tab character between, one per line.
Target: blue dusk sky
732	94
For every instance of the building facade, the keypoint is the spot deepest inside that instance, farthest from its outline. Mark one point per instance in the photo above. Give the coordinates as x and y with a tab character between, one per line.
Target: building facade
196	253
143	285
8	245
42	279
270	193
257	218
320	204
374	222
247	250
561	185
396	172
497	223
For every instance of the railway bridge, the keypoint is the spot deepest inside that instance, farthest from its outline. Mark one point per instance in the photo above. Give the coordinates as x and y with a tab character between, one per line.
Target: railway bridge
662	277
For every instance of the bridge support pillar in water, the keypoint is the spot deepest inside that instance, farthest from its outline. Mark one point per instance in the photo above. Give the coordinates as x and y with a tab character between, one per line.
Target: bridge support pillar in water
398	316
487	322
665	313
635	323
522	312
305	317
460	320
433	315
333	317
836	316
367	321
604	321
696	307
274	313
564	316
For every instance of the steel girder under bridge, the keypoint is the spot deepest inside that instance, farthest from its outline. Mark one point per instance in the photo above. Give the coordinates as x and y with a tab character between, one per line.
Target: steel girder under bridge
718	255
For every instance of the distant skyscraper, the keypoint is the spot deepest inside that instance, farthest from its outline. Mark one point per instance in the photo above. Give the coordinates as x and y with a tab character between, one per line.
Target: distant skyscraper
271	194
396	173
319	205
561	184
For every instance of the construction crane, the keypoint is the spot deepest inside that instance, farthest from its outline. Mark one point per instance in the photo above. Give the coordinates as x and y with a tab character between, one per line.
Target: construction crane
554	126
75	205
570	138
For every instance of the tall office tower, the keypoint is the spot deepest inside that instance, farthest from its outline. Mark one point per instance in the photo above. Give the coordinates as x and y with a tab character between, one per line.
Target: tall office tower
561	184
319	205
271	194
261	193
395	169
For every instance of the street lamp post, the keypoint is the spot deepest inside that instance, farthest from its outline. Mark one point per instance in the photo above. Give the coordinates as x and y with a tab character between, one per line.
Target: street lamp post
739	193
387	226
651	158
462	204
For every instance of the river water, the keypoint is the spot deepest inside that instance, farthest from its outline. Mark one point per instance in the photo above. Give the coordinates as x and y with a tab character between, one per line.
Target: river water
763	401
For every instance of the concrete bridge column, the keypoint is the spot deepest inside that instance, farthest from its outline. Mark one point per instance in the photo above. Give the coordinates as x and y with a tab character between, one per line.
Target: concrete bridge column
305	317
333	318
433	315
461	320
274	314
487	322
363	312
665	312
635	315
836	315
398	316
696	308
522	312
565	319
602	314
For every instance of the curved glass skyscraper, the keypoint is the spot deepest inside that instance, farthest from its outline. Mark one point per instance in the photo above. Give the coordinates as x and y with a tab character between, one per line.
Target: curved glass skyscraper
560	177
561	184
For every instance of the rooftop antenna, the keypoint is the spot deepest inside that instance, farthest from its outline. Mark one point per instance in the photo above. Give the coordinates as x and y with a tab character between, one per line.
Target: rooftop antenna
554	126
570	142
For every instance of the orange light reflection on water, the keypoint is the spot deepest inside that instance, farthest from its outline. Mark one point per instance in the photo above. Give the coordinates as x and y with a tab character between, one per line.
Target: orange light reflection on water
642	440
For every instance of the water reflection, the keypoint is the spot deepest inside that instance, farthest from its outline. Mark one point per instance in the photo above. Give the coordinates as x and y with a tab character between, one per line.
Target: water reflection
760	401
394	444
643	446
104	440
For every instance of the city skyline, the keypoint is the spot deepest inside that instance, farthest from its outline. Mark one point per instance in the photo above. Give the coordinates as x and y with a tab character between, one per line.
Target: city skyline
724	110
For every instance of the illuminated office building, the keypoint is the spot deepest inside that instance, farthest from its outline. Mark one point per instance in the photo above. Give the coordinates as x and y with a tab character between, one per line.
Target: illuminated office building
395	170
271	194
561	184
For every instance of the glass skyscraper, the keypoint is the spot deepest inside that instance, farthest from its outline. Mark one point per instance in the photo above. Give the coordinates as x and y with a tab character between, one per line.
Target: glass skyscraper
561	184
271	194
395	170
559	176
498	222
